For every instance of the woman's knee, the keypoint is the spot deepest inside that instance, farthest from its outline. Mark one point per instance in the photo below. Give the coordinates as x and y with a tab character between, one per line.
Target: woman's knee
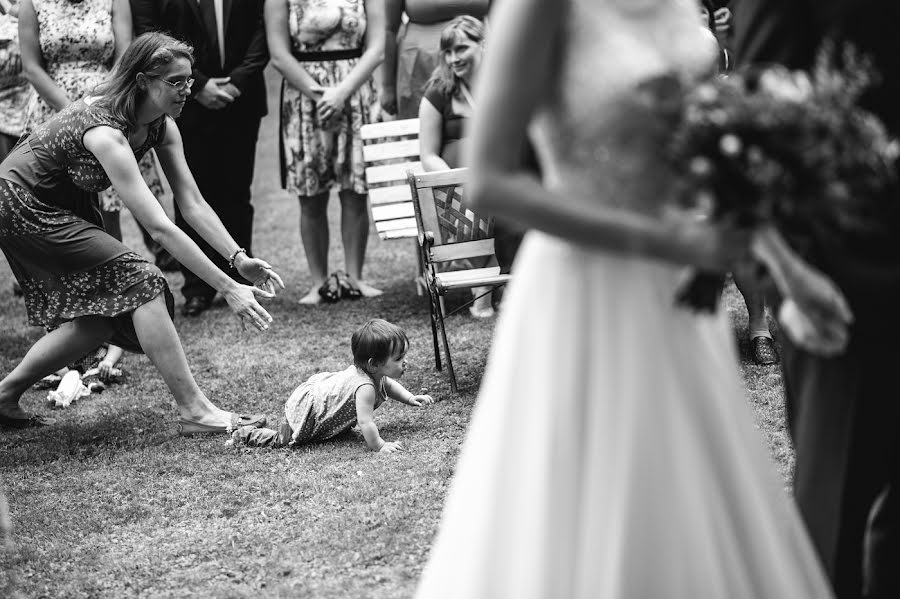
314	206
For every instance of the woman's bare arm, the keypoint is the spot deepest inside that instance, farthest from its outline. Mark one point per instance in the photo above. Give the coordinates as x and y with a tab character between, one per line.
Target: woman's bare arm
122	26
33	59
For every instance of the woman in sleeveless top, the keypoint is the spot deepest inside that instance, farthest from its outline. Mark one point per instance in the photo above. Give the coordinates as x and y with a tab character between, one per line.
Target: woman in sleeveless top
81	282
68	48
327	51
611	453
411	48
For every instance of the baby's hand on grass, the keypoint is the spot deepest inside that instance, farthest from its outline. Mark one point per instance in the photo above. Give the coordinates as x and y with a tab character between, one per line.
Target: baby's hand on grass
107	370
421	400
391	447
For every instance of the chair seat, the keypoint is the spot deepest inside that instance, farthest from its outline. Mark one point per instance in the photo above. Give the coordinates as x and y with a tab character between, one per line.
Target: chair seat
473	277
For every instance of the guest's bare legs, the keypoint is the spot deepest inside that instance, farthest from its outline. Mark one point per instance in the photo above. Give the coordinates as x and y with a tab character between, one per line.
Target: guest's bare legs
355	235
53	351
314	234
159	340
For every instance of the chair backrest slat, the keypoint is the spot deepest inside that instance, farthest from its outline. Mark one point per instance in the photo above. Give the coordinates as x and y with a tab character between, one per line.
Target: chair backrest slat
390	129
391	148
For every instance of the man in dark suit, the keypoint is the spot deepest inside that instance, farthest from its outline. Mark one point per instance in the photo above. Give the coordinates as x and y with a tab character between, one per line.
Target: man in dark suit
220	121
844	410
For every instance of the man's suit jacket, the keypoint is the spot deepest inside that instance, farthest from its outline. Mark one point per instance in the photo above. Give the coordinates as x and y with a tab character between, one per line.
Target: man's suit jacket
790	32
246	53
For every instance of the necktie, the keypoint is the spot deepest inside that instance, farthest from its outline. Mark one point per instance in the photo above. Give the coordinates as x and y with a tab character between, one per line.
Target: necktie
208	12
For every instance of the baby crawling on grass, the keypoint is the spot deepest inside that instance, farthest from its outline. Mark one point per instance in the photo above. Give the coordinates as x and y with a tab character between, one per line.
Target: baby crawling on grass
330	403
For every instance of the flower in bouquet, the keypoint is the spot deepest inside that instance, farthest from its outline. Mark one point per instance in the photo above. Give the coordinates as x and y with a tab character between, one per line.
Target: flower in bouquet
787	148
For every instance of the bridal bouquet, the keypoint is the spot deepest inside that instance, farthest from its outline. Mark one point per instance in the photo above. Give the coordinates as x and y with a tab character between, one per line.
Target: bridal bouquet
770	145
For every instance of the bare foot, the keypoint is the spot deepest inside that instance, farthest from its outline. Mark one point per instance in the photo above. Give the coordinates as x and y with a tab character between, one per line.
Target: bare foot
367	290
311	298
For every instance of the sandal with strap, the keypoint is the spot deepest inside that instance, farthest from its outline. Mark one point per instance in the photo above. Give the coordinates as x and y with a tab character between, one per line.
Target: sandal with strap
349	290
330	291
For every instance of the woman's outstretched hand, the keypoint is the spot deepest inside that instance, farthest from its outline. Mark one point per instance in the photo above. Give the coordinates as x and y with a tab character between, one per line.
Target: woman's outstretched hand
243	302
260	273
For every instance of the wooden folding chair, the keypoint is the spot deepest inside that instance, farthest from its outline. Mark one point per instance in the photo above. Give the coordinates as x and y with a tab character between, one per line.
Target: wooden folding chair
450	230
391	149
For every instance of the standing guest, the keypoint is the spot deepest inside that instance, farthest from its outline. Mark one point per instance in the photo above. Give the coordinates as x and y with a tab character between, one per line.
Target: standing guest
83	283
68	47
14	87
717	17
327	50
220	121
411	49
843	412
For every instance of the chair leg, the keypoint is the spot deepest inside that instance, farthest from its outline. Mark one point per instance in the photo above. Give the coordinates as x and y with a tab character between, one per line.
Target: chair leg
432	309
421	285
440	323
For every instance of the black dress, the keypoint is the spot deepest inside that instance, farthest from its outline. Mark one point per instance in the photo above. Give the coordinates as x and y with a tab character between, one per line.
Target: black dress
52	234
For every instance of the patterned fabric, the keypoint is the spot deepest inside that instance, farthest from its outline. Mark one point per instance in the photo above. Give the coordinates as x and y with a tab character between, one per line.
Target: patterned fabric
51	234
15	90
78	47
325	405
314	159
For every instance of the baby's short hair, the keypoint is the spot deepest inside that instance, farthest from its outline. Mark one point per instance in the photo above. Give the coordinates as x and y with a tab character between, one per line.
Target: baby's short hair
377	340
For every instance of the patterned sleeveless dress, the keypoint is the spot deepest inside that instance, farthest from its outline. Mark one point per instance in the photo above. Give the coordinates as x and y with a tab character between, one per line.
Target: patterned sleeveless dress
325	405
51	231
313	158
78	49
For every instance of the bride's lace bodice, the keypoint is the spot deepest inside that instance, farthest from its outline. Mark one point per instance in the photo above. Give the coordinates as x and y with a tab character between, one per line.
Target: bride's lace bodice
589	144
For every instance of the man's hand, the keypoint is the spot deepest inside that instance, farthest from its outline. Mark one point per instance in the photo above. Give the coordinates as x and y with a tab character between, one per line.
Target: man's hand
215	95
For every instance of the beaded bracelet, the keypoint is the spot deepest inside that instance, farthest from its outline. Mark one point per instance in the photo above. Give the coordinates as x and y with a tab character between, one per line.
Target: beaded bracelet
234	255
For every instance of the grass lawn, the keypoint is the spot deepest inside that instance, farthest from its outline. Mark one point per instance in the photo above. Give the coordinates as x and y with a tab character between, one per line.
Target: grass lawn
111	502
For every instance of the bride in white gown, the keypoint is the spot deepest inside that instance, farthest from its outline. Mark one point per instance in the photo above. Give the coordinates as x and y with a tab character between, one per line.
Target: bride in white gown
611	453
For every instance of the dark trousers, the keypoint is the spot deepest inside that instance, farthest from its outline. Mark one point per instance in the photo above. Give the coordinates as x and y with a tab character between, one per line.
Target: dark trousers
844	417
221	154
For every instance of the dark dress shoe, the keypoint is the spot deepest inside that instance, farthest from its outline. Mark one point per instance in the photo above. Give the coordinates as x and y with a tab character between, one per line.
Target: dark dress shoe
194	306
763	349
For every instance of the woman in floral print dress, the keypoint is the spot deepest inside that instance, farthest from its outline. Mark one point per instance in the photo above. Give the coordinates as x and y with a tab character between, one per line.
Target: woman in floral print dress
68	48
14	87
80	281
326	50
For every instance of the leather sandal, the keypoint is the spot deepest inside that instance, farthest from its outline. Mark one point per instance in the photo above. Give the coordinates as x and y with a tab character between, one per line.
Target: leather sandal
186	428
330	291
349	290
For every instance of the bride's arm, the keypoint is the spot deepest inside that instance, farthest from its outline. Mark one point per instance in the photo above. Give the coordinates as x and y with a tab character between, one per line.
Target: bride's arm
519	67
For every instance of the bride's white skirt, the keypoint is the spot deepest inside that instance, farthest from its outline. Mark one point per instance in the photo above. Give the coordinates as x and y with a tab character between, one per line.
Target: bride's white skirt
612	453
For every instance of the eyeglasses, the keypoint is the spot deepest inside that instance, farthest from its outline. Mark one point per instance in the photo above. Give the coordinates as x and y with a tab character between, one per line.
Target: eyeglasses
181	84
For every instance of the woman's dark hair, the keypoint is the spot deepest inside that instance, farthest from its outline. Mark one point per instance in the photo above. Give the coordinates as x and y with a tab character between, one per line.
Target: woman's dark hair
149	54
377	340
467	27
